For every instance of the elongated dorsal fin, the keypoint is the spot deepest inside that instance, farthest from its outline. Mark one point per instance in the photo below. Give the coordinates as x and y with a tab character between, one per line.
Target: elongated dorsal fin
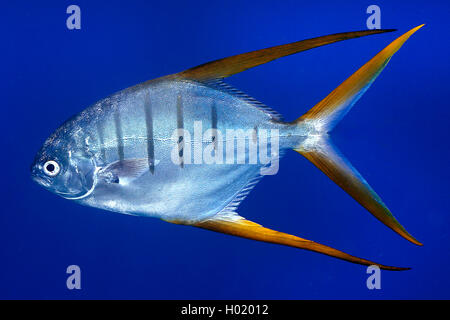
226	67
247	229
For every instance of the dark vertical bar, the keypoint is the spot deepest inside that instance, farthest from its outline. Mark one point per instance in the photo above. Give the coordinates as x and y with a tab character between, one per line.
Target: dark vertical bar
180	127
149	127
214	124
119	135
101	139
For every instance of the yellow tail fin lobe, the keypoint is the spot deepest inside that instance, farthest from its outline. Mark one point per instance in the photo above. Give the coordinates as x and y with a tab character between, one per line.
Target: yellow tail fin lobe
251	230
330	161
328	112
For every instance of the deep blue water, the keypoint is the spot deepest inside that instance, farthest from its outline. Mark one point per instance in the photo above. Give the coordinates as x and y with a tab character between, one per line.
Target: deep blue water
396	135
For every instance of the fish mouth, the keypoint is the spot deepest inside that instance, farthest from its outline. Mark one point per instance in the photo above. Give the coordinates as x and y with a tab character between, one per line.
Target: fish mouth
46	183
69	195
43	181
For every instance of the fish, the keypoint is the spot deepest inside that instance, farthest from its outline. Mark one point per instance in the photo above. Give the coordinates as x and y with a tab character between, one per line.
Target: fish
188	148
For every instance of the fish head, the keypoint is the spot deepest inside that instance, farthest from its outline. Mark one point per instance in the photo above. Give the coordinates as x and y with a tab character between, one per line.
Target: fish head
62	167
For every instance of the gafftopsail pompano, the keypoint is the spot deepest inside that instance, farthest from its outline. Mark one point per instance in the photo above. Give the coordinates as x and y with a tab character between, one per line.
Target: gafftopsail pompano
166	148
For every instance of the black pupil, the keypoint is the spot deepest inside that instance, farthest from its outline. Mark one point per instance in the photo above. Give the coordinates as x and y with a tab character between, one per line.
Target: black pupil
50	167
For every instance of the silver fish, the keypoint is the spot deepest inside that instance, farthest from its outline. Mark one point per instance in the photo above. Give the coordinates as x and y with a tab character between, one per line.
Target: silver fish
157	149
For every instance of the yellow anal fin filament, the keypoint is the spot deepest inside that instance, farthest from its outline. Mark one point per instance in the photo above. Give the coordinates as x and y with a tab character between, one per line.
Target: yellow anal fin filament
251	230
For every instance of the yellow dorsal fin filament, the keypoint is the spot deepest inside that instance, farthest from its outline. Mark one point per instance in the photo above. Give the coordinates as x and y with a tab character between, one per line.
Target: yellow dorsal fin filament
226	67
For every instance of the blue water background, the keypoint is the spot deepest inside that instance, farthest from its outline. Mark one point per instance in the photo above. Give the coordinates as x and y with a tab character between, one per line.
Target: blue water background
397	136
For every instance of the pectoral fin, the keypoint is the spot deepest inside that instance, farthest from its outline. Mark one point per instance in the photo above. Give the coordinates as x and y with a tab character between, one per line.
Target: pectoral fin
124	171
247	229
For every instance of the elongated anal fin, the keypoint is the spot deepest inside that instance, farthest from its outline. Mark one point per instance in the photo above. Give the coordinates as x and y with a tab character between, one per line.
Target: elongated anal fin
226	67
251	230
328	112
325	156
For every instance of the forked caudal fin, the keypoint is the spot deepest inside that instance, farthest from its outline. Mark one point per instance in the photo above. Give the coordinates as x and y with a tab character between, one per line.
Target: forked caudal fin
326	114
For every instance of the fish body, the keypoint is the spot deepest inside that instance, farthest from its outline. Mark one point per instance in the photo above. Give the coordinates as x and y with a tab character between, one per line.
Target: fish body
187	148
120	128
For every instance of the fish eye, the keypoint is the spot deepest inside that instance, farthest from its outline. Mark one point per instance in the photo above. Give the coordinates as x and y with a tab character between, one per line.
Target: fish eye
51	168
